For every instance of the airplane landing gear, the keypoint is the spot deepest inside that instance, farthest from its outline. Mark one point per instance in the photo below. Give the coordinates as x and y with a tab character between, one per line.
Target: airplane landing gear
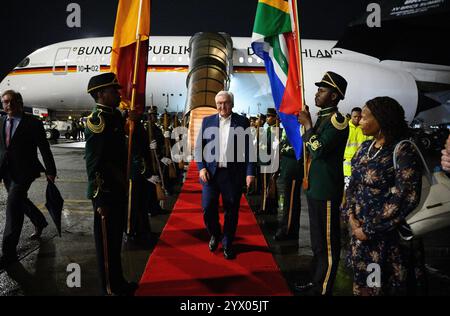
52	134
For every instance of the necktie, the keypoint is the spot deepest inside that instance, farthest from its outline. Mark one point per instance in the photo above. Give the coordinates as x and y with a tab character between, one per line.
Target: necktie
9	131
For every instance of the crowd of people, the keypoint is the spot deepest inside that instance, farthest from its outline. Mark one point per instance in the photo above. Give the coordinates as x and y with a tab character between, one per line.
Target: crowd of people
347	174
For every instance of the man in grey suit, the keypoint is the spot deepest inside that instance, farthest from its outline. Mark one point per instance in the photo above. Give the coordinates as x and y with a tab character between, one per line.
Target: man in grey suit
224	170
20	136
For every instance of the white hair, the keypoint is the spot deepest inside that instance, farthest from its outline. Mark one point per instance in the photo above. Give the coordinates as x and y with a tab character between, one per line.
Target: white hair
227	93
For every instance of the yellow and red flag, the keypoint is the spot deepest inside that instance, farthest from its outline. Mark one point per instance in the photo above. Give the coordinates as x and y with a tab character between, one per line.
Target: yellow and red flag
131	32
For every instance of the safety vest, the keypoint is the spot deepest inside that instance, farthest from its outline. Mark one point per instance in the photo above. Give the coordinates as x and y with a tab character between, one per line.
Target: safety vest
355	139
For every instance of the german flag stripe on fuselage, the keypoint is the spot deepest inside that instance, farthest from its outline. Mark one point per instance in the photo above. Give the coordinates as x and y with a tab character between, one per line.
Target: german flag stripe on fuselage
105	68
42	70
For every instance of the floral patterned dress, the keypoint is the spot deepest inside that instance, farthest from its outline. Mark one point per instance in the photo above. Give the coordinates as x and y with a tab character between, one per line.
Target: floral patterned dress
380	198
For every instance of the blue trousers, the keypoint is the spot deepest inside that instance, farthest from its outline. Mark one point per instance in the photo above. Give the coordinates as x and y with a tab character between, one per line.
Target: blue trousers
228	183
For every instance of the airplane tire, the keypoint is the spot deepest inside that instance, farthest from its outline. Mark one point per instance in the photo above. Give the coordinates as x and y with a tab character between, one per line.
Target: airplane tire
55	134
426	143
51	134
48	134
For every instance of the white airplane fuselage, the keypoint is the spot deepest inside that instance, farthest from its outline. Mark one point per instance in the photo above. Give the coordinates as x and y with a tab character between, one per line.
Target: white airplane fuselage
55	77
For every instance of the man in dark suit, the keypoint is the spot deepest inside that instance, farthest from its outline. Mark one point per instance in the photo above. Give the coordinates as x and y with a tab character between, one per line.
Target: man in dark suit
224	166
20	136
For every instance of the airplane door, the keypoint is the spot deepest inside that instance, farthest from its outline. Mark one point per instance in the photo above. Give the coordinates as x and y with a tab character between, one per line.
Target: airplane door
60	63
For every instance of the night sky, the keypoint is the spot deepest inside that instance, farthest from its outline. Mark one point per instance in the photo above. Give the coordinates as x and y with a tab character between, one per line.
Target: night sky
29	24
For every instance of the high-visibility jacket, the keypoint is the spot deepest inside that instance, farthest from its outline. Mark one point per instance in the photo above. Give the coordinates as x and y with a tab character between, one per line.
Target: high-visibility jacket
355	139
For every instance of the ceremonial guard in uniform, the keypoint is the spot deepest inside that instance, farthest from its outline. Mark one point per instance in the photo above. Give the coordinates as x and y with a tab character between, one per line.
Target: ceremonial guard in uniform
260	123
106	161
157	146
325	143
269	195
138	227
291	176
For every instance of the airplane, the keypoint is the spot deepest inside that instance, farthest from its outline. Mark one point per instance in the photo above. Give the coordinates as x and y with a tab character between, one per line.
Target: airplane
53	79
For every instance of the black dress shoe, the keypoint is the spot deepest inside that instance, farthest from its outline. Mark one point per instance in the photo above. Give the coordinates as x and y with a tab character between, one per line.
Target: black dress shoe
128	289
213	243
228	253
159	211
283	237
5	261
303	288
38	231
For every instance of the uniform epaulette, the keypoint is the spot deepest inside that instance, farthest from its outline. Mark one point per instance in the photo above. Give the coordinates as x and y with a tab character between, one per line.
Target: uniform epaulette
95	122
339	121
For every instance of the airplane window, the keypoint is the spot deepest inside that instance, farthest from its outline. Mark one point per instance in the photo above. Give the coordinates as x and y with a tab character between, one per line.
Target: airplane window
250	60
180	58
258	60
162	58
154	58
24	63
241	60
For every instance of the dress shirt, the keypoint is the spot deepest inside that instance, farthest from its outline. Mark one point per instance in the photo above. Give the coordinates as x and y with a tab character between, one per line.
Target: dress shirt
224	132
16	122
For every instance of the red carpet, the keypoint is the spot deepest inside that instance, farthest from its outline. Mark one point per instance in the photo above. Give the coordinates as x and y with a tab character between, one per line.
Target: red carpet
182	265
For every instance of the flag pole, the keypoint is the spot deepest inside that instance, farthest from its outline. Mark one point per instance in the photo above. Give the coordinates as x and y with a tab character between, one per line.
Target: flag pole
131	122
298	52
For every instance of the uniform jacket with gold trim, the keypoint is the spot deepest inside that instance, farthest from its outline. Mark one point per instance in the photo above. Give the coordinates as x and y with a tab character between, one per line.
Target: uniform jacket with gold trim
106	156
325	143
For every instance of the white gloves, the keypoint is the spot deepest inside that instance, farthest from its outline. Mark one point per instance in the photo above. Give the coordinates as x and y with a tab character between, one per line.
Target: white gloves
166	161
167	134
275	143
154	179
153	145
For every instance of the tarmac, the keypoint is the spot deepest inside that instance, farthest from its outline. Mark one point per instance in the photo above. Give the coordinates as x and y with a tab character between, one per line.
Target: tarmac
45	266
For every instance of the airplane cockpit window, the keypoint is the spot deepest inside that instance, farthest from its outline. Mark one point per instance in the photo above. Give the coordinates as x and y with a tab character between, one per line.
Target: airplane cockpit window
24	63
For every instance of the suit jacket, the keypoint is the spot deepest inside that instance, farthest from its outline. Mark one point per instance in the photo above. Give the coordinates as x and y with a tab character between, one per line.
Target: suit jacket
243	158
20	159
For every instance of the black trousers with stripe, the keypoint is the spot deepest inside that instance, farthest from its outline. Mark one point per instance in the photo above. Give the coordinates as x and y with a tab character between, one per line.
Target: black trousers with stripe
290	223
325	242
115	226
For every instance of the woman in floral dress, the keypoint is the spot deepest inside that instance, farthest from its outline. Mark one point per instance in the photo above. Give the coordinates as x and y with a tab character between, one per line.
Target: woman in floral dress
379	199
